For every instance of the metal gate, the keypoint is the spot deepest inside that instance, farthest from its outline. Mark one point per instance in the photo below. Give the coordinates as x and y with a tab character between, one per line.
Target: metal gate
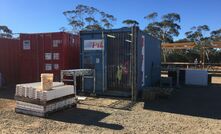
118	61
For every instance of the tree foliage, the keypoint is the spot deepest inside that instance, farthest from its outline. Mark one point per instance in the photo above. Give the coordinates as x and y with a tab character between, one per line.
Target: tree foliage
196	34
165	29
5	32
84	17
151	16
130	22
216	35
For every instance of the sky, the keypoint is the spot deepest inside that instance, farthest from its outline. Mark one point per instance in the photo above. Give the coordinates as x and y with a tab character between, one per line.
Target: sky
31	16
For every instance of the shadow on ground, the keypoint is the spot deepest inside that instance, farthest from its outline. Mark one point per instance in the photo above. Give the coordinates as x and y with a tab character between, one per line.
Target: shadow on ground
73	115
109	102
193	101
84	117
7	92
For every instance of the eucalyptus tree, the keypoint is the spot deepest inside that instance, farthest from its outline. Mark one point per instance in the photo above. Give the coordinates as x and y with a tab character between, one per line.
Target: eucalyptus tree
5	32
164	29
215	56
216	35
152	16
130	22
197	34
84	17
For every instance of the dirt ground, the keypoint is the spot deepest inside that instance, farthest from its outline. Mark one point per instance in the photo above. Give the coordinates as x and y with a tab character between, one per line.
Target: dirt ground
188	110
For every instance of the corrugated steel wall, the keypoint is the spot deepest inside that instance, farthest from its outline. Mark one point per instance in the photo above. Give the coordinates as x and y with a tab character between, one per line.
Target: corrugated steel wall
9	60
152	60
47	53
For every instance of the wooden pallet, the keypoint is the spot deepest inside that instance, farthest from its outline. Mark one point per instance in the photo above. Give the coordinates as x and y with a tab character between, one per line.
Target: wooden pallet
42	114
37	107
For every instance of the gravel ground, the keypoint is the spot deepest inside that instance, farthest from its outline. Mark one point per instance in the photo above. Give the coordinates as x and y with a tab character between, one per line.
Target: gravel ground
187	111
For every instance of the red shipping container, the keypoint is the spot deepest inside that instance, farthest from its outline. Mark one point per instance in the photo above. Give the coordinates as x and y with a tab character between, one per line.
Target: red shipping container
9	60
48	53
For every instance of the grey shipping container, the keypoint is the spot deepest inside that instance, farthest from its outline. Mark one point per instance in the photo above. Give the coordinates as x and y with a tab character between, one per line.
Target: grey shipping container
126	60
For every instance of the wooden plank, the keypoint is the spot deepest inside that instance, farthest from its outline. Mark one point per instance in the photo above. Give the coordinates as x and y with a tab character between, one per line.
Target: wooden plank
27	112
178	45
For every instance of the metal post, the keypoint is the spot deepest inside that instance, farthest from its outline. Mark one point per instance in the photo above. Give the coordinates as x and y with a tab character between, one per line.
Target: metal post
134	64
82	83
94	74
203	57
74	78
103	61
131	65
178	77
61	75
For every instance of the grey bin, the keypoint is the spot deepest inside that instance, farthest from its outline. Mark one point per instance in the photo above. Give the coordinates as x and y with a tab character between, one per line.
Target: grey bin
126	60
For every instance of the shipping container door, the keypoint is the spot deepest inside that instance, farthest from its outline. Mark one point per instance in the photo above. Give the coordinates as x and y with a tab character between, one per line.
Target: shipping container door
93	59
40	55
48	54
28	59
118	62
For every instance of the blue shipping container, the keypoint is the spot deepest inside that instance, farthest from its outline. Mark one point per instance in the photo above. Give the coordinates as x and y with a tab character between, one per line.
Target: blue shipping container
121	58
